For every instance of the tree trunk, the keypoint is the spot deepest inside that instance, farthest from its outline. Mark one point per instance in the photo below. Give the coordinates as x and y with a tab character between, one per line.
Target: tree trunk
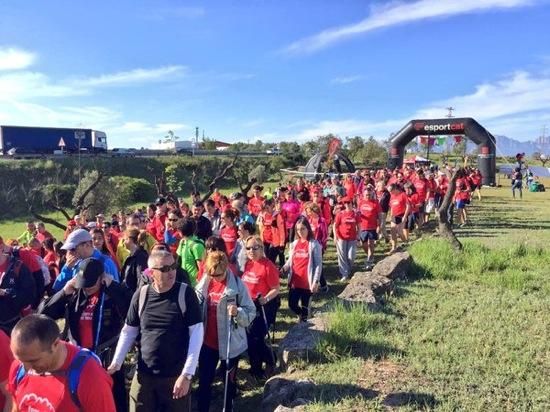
46	219
79	205
220	176
445	229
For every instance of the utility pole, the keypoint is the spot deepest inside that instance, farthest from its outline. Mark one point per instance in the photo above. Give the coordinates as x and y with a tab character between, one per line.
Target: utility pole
450	111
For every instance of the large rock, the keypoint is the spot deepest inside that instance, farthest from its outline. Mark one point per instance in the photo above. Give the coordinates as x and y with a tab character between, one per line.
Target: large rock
371	287
281	394
301	340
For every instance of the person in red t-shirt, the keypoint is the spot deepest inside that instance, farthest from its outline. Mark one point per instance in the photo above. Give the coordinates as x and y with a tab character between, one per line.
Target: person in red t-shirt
272	229
261	278
369	222
422	189
416	205
229	231
304	265
400	209
159	221
36	345
462	198
346	230
6	359
255	203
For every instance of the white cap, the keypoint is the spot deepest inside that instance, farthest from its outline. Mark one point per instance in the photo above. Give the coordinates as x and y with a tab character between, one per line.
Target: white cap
76	238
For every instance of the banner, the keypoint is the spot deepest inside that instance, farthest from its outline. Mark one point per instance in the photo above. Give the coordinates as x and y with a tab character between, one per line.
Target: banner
458	139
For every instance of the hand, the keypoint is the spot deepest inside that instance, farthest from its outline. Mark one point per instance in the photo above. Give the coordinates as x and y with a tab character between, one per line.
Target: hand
315	287
113	367
71	260
232	310
181	387
3	292
69	287
107	279
262	300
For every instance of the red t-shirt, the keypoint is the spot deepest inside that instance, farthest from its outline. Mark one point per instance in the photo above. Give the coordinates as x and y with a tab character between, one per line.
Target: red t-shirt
229	236
6	358
421	186
414	201
398	204
85	326
462	190
260	277
215	292
48	393
267	231
368	214
346	225
30	260
255	205
300	263
432	186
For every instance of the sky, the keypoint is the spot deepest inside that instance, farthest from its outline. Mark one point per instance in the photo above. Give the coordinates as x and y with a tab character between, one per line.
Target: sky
274	70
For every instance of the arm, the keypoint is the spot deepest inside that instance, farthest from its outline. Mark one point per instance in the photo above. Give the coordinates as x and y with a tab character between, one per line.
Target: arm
127	338
246	311
54	307
196	334
317	261
8	406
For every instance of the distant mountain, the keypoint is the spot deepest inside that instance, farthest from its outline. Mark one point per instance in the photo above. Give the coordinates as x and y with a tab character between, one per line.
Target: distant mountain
506	146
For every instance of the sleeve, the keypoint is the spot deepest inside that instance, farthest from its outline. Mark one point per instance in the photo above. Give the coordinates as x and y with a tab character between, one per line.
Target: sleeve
193	313
198	250
317	262
25	289
95	389
65	275
6	357
196	335
111	269
121	297
272	275
54	307
128	335
132	318
246	311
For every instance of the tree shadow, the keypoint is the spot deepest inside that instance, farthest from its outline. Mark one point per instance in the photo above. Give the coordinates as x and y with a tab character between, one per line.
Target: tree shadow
414	399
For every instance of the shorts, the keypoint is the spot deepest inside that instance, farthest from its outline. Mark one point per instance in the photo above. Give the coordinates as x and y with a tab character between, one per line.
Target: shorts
397	219
460	204
367	235
430	206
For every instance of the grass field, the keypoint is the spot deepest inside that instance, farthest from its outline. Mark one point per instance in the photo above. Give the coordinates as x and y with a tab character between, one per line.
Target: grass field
468	332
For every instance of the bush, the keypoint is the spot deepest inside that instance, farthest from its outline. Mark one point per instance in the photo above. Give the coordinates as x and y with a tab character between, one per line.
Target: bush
128	190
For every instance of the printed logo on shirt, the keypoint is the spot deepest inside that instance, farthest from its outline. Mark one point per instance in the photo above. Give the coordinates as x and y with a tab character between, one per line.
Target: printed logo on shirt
349	220
214	298
301	253
250	277
34	403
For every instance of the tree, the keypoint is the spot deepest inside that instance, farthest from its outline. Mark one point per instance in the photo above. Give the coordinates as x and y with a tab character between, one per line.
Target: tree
445	229
171	137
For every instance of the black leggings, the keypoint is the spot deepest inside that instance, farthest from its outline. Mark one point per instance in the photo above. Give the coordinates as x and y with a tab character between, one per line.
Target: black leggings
258	350
296	296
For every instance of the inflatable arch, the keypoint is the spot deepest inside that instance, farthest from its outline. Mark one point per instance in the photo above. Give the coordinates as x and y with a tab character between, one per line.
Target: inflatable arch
341	164
486	142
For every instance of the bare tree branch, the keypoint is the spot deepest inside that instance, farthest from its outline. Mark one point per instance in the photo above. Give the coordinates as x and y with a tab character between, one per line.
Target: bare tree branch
80	201
445	229
60	209
193	180
46	219
217	178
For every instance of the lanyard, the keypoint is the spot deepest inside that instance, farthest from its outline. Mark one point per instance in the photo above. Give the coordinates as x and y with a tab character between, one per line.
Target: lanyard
100	320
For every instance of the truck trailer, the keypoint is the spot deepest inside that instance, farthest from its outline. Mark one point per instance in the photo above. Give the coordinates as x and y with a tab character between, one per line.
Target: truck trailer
15	140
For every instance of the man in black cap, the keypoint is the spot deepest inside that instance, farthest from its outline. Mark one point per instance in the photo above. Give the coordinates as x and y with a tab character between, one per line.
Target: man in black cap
94	308
203	226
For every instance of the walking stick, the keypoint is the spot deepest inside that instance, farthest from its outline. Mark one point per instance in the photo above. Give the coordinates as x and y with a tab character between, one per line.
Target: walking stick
267	327
227	370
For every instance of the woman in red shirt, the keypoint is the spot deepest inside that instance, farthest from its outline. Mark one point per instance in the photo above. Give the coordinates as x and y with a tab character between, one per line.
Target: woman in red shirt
304	265
272	230
346	228
228	231
261	277
416	204
369	222
400	209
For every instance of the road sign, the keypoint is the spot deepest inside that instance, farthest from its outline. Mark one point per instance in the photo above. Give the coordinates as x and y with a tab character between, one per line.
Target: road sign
61	143
79	135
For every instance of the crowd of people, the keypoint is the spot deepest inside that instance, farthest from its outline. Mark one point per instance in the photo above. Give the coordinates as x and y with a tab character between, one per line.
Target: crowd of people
188	287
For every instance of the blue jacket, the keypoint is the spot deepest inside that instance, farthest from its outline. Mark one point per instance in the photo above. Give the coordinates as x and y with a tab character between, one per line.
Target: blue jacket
67	273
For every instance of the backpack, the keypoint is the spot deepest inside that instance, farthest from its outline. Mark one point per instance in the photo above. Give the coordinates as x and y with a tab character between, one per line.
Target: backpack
142	299
72	374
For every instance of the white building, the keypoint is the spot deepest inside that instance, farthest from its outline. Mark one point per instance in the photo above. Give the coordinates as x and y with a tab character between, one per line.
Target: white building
173	145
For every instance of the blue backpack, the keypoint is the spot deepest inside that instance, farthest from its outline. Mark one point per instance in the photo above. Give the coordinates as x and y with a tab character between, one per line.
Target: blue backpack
72	374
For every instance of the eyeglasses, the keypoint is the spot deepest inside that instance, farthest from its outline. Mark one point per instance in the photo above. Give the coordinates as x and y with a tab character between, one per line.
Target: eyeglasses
167	268
254	248
173	220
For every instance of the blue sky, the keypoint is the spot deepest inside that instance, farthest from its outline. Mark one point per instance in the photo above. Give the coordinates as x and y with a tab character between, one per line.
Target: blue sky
273	70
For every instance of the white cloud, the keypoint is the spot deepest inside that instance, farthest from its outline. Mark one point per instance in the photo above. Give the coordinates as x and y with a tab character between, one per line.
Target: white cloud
27	85
15	59
517	106
345	79
134	76
145	133
398	13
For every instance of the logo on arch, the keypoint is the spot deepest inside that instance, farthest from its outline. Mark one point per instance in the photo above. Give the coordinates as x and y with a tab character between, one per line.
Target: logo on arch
419	125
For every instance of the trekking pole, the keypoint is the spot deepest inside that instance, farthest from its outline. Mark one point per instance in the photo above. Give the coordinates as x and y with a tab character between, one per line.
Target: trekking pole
267	327
227	370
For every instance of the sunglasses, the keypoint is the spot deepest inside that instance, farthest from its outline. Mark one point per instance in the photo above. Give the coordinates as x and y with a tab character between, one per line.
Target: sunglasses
167	268
173	220
254	248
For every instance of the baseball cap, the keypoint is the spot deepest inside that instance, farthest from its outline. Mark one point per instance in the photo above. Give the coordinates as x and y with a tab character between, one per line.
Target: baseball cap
160	201
76	238
89	272
76	217
101	216
91	225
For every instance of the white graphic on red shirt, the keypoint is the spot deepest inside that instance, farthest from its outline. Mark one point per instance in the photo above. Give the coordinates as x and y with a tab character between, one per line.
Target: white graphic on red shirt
34	403
250	277
301	253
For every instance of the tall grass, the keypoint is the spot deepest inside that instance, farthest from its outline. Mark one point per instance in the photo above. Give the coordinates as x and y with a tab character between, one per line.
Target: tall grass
518	267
